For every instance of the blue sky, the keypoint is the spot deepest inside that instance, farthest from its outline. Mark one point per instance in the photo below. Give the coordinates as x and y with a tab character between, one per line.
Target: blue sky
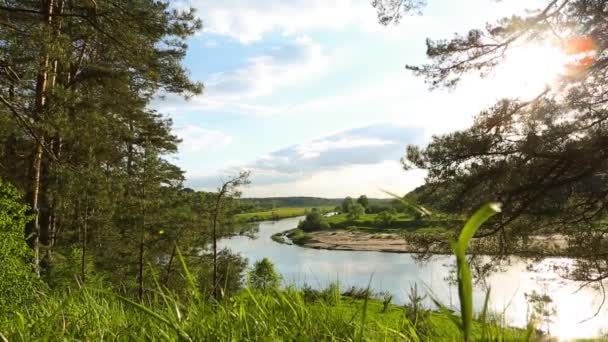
313	98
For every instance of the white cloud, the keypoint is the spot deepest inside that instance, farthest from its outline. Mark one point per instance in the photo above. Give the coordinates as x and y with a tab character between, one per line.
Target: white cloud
351	180
248	21
239	91
315	148
198	139
364	147
281	67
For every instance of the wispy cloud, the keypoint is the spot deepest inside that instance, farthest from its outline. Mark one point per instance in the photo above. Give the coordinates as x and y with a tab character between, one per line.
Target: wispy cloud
248	21
199	139
369	145
282	66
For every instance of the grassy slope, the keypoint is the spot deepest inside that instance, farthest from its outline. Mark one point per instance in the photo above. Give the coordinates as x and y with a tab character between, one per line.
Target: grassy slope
276	214
277	316
443	329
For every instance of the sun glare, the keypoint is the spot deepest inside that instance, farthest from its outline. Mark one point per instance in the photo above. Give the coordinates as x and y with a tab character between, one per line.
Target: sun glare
529	70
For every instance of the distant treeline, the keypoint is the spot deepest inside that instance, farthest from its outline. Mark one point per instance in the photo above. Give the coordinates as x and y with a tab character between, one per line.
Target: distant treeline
279	202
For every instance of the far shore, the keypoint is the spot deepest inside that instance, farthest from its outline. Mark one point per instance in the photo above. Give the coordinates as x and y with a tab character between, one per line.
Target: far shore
352	240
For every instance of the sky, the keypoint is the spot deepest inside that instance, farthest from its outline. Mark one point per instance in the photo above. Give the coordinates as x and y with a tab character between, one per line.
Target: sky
313	98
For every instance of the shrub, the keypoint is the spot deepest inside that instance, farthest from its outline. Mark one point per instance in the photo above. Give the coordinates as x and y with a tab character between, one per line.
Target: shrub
356	211
331	295
17	281
230	271
385	218
298	237
387	299
313	221
357	293
263	276
309	294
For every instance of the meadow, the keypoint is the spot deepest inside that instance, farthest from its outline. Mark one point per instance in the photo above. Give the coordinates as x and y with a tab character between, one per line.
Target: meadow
277	214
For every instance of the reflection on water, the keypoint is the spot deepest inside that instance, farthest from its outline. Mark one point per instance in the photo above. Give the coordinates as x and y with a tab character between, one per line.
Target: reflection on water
396	272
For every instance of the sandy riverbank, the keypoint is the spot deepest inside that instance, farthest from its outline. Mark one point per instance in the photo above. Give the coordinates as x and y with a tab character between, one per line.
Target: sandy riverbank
361	241
395	243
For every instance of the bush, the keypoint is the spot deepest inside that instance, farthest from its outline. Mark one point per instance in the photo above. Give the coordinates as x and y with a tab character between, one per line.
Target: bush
230	270
387	299
313	221
385	218
263	276
331	295
298	237
358	293
17	281
310	295
356	211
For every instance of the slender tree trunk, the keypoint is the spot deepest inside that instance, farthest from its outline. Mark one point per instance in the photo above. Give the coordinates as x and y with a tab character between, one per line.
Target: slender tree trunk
85	226
170	264
36	207
140	291
216	290
41	90
56	146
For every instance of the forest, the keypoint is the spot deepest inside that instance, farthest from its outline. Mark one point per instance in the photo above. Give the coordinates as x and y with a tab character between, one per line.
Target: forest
102	239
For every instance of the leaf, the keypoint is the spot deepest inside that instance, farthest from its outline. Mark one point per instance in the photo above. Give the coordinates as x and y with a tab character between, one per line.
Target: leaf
465	282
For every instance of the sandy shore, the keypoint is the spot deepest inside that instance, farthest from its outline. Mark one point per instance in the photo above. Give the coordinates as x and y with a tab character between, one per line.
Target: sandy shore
394	243
360	241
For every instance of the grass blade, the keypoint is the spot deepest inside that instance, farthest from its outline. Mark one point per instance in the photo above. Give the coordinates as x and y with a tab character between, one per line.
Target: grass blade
465	282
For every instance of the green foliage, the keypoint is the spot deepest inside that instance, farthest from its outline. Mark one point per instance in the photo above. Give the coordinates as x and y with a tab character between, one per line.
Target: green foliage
263	276
277	214
347	203
355	212
543	309
17	281
313	221
386	218
364	201
230	274
266	204
298	236
387	299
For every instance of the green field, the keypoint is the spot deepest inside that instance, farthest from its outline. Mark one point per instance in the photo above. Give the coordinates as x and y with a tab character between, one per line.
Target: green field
277	214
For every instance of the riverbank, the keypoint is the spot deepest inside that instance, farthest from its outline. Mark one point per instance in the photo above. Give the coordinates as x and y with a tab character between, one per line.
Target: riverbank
358	240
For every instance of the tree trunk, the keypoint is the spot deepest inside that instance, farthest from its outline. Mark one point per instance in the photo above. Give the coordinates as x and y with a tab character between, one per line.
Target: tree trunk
170	264
140	290
83	261
41	89
36	207
216	292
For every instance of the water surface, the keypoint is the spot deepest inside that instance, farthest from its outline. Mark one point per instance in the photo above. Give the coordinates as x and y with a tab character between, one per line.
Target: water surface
397	272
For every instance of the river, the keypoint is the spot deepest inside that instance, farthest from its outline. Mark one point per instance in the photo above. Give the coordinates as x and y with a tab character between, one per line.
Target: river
397	272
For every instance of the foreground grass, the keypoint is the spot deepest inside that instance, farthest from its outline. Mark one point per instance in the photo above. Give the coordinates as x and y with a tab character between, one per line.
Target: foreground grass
89	314
277	214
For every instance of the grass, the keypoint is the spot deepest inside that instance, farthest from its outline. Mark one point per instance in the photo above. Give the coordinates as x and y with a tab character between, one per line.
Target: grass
298	236
277	214
91	315
278	237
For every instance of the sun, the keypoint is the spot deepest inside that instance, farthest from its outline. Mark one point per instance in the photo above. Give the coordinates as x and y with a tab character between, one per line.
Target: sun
529	70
